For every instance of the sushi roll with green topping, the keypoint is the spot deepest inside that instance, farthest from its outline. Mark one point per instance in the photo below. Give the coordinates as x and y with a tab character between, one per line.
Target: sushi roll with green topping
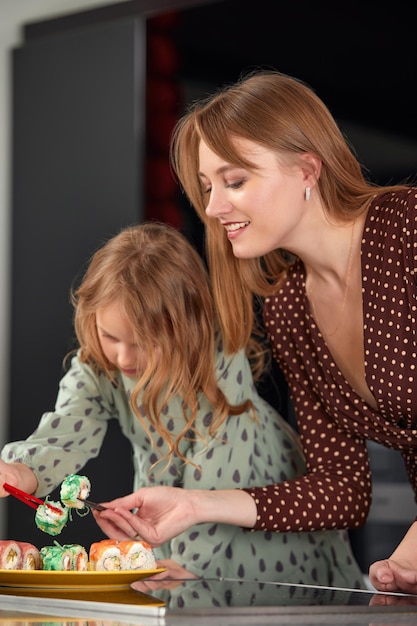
51	517
67	558
74	487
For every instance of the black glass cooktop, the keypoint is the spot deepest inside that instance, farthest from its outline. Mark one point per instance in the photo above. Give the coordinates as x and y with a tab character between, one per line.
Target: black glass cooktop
233	593
211	601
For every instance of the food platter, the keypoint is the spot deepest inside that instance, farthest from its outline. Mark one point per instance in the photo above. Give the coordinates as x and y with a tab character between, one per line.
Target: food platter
117	595
100	581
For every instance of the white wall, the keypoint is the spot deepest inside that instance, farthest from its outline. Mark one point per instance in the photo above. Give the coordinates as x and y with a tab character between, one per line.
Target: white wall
14	14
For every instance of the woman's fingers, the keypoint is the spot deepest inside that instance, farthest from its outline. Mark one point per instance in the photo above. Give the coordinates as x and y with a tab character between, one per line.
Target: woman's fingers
115	525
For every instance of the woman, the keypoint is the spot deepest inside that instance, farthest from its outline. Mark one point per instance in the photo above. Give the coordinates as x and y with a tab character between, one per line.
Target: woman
290	218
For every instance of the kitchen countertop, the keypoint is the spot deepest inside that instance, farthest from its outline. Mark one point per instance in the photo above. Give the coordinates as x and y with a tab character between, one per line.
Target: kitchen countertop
211	602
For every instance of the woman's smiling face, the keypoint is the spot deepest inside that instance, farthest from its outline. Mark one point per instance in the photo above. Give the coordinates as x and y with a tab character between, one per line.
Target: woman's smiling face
259	207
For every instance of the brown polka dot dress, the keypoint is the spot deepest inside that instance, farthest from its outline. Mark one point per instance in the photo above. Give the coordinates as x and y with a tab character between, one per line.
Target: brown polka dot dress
333	420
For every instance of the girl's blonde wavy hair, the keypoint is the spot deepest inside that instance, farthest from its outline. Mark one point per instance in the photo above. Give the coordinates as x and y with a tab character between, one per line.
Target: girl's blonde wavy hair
162	285
284	115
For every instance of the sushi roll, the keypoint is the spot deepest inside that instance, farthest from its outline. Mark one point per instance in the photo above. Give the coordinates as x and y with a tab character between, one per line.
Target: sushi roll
10	554
51	520
137	555
79	557
66	558
74	487
113	555
105	556
30	556
56	558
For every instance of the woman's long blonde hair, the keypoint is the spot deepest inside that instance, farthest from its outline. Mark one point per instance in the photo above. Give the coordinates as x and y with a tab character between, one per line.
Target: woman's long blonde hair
282	114
162	285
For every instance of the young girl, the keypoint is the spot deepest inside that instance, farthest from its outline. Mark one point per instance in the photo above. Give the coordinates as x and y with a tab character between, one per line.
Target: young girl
150	355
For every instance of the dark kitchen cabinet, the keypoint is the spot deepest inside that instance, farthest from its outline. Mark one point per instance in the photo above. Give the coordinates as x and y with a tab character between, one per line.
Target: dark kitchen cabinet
78	146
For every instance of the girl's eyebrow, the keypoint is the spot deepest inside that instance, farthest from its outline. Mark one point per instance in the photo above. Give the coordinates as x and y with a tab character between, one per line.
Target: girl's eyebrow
103	330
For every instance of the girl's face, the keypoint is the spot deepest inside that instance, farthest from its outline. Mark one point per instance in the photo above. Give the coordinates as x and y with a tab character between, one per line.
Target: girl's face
118	342
260	208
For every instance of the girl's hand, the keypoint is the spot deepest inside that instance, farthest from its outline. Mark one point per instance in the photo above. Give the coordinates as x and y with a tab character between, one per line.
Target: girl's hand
18	475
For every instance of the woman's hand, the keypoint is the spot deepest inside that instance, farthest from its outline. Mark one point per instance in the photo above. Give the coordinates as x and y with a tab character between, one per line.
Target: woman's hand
18	475
390	575
162	513
399	571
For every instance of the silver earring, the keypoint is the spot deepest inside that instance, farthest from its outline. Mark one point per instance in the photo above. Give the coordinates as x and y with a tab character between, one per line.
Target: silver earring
308	193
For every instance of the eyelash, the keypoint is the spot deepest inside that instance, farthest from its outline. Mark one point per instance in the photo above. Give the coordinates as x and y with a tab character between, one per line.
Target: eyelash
106	336
236	185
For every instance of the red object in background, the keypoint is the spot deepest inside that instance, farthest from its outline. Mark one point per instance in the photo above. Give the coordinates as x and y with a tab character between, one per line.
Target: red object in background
166	212
165	21
163	102
160	181
163	56
159	131
162	95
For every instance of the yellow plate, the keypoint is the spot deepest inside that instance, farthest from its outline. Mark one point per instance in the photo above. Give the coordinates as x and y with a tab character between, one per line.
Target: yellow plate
115	595
80	580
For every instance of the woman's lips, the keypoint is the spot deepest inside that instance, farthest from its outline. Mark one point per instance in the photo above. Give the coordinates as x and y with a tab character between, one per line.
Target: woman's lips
234	229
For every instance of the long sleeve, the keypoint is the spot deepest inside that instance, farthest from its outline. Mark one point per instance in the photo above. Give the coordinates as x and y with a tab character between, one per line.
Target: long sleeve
69	436
336	490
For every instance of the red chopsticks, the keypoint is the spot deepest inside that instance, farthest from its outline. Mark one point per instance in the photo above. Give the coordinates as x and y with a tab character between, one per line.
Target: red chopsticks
27	498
